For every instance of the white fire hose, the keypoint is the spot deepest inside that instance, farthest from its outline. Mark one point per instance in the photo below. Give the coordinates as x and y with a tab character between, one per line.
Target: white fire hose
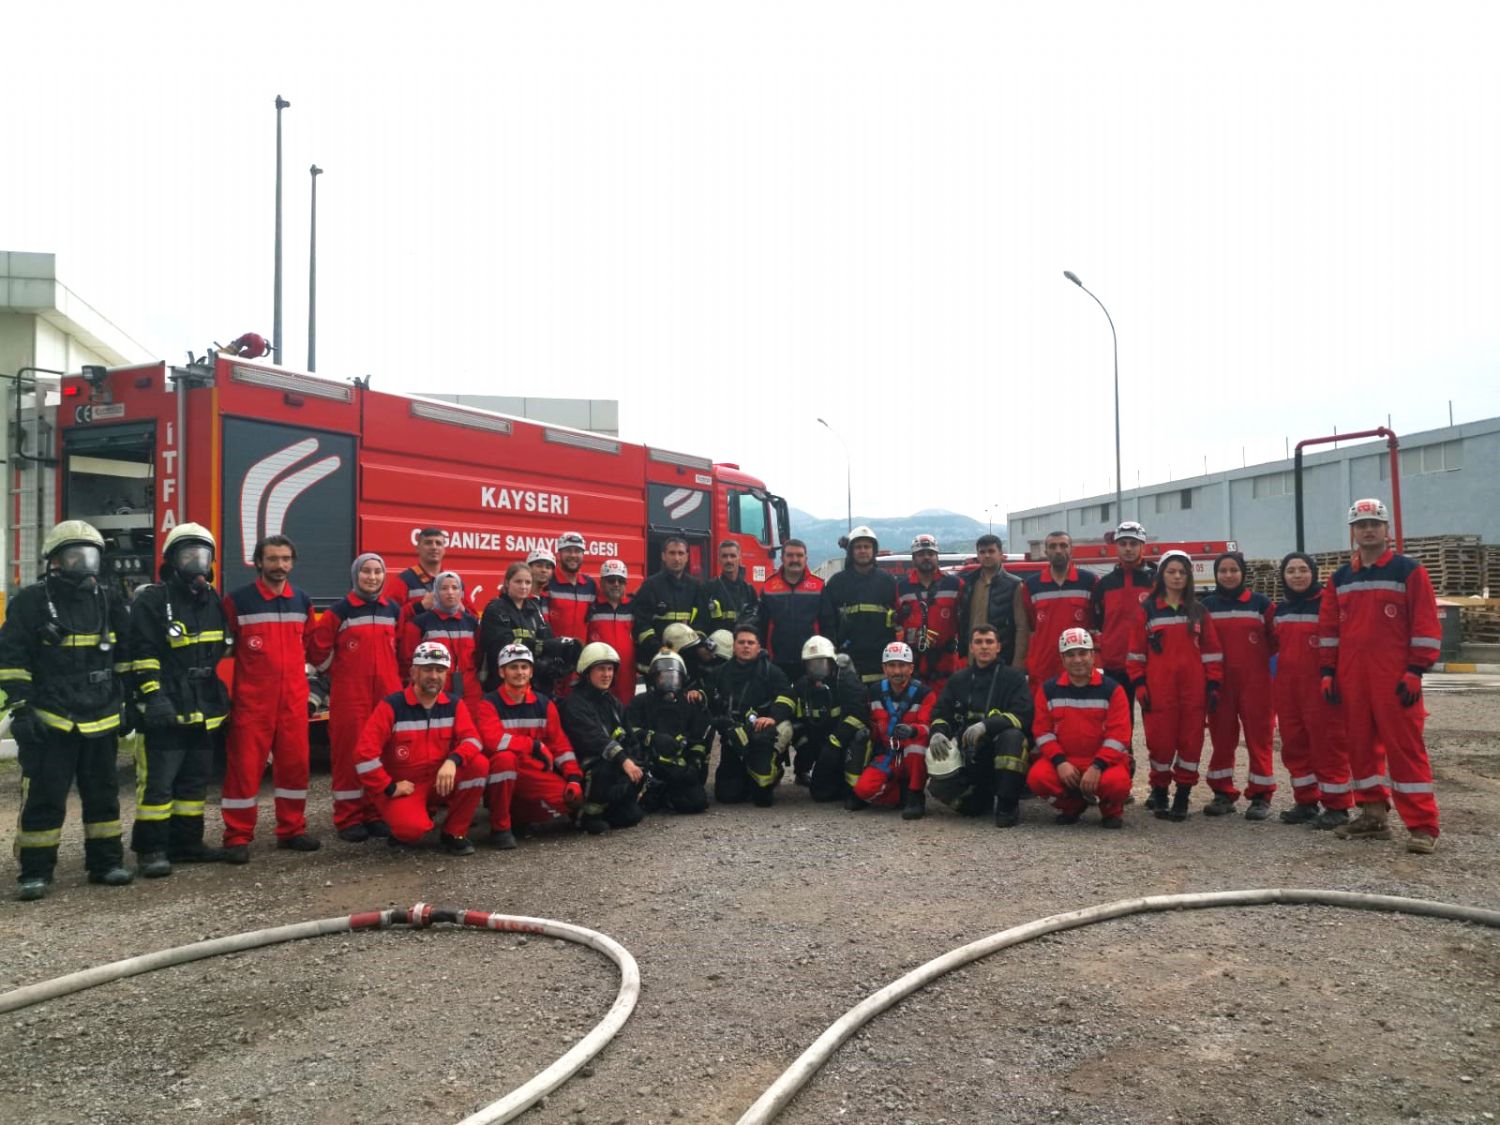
781	1092
419	916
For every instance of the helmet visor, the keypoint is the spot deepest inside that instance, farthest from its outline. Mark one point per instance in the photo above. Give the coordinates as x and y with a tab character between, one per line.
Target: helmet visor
193	559
78	560
667	677
818	667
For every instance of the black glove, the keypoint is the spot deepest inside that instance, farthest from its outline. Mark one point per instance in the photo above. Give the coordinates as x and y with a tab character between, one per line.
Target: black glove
159	714
25	726
903	731
1211	697
725	726
1154	639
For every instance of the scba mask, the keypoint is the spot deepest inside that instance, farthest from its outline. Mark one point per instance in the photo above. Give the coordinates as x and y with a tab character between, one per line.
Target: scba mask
78	562
667	677
193	560
818	669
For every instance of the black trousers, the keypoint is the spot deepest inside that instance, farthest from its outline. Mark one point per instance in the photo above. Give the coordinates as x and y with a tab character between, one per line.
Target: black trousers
49	767
171	783
609	794
996	772
677	785
747	768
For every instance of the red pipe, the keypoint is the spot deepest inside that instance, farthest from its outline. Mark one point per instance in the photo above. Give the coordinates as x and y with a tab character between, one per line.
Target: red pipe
1393	443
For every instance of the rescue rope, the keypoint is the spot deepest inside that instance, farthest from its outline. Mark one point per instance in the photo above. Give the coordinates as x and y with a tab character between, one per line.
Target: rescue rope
770	1104
419	916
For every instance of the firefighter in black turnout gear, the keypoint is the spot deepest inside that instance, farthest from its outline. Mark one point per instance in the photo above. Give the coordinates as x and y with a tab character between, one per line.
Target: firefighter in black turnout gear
63	656
752	712
983	716
674	731
515	617
831	732
594	721
671	594
727	600
858	610
177	640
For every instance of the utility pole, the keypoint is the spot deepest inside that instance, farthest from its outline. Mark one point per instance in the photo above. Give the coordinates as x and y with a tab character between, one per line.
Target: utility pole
312	276
281	104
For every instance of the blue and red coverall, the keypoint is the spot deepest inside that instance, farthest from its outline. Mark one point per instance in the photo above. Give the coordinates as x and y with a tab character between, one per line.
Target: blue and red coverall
1243	623
1117	600
1084	725
458	632
927	620
538	757
1052	607
613	625
896	764
1314	742
404	741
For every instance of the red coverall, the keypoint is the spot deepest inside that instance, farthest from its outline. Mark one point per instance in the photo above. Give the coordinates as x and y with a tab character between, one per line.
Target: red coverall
1084	726
1175	681
1314	744
1244	625
268	716
540	757
922	609
408	588
403	741
459	634
1377	623
355	644
1052	607
613	625
896	764
567	606
1117	602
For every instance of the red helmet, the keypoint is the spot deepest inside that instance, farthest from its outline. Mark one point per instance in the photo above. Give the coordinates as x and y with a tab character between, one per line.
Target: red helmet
251	345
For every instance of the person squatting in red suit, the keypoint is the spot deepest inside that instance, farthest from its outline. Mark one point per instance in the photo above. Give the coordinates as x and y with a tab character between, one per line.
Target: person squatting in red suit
900	714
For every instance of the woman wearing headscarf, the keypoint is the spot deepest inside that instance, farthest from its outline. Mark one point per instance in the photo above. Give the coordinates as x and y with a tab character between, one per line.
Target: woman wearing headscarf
1176	665
1314	746
354	645
451	625
1242	619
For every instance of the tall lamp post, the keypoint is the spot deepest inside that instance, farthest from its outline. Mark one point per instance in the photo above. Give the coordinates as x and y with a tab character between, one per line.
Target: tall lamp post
1119	483
312	276
848	478
281	104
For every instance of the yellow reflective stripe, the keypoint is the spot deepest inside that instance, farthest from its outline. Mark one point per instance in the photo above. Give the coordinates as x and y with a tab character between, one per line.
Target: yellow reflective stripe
149	686
55	721
787	699
85	640
148	664
1006	762
208	636
187	808
215	722
46	838
15	674
153	812
110	723
101	830
864	607
123	667
140	771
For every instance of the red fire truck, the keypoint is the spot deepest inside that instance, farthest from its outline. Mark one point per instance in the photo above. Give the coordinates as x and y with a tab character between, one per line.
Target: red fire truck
250	450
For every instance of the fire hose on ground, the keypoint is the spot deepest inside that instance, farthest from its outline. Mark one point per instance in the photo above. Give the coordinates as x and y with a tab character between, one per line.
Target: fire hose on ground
419	916
770	1104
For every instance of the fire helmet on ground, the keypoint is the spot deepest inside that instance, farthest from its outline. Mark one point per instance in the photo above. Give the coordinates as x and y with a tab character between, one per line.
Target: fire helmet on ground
924	542
541	554
570	539
614	568
1075	638
1130	529
431	652
942	756
897	652
1369	509
512	653
596	652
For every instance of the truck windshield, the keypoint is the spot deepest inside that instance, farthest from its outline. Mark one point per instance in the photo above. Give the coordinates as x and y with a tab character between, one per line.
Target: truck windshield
747	516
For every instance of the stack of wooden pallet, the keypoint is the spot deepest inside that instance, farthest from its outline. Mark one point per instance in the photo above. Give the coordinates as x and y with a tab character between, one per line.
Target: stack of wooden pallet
1455	563
1480	624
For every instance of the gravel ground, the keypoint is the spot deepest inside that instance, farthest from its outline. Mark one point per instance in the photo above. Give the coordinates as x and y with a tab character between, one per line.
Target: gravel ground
755	929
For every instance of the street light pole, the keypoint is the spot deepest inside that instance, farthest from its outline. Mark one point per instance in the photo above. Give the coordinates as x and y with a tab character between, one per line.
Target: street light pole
312	276
1119	482
848	478
281	104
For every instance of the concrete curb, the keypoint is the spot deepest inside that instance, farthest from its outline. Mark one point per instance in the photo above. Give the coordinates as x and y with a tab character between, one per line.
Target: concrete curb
1457	666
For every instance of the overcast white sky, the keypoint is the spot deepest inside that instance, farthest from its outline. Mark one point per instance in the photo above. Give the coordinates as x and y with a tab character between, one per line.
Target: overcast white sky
736	218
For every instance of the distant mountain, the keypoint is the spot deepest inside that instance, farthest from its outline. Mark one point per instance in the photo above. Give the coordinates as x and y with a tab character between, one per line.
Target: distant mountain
955	532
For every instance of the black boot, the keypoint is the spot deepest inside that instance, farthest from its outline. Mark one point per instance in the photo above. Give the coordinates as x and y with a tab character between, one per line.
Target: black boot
916	805
1158	802
1221	805
1008	798
853	803
1179	809
1300	814
155	865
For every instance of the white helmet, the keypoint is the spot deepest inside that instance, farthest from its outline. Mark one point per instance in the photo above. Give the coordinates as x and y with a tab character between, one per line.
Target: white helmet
1075	638
195	532
541	554
924	542
862	532
667	672
431	652
722	642
818	647
942	756
596	653
614	568
1186	558
570	539
68	533
680	636
1129	529
1371	509
512	653
897	652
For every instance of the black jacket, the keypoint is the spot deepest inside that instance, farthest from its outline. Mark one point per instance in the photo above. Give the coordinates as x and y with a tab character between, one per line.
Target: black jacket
660	601
723	604
858	614
594	722
1001	613
176	642
503	623
973	693
836	709
67	668
759	686
670	729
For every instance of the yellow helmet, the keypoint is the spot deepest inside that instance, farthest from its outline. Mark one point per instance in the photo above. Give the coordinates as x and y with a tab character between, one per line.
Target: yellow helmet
69	532
596	653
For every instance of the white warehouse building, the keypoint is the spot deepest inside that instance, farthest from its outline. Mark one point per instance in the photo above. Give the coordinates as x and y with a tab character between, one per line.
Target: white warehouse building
1450	484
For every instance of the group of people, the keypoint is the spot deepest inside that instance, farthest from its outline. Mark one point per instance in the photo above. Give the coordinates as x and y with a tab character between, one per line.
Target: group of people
567	703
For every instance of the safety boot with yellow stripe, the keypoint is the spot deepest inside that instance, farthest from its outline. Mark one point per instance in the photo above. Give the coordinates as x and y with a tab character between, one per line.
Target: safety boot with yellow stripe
1368	825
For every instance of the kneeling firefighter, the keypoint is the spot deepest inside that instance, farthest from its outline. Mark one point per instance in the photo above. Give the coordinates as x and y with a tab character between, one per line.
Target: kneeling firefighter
674	730
177	639
752	712
596	726
986	708
830	732
63	652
